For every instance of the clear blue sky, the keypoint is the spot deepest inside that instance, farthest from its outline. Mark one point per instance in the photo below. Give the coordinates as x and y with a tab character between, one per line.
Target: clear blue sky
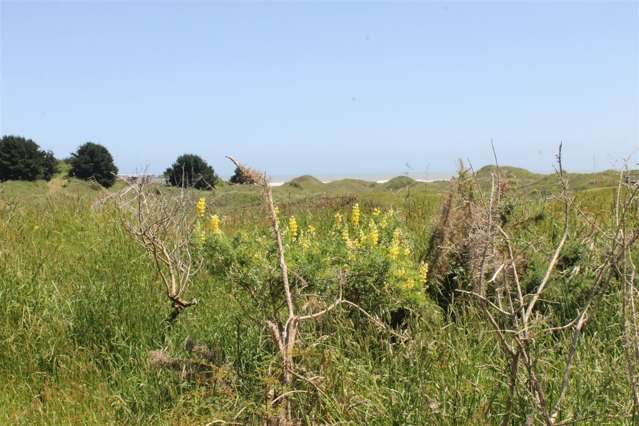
322	88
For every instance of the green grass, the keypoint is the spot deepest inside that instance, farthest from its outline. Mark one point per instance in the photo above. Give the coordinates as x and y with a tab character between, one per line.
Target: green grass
81	306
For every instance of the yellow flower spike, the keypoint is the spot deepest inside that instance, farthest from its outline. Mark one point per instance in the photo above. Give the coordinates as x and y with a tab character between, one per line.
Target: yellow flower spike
345	237
383	223
376	212
200	207
407	251
199	234
423	272
373	234
409	284
277	210
305	244
311	230
292	227
393	251
338	220
214	224
355	214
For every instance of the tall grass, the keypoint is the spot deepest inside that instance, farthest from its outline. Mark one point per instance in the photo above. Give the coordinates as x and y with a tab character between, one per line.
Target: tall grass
81	307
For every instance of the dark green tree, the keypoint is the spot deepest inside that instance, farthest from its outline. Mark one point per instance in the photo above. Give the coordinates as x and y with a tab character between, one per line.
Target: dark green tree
22	159
93	161
50	165
191	170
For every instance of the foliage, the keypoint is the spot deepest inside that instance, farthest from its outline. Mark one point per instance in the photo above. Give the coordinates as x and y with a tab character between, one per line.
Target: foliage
191	170
22	159
93	161
381	274
80	310
239	177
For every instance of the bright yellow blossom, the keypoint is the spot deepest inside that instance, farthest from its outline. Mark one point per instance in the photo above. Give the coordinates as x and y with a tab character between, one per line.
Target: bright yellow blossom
200	207
305	243
393	251
373	234
345	237
292	227
409	284
376	211
338	220
394	248
355	214
423	272
214	224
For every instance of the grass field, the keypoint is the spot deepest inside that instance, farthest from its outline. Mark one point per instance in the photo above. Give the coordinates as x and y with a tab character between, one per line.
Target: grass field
81	307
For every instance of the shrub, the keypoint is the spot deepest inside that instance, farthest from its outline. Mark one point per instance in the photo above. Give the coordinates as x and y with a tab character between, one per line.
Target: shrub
372	251
93	161
22	159
191	170
239	177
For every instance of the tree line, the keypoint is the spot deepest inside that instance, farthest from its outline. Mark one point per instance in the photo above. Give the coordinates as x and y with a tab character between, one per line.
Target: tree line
23	159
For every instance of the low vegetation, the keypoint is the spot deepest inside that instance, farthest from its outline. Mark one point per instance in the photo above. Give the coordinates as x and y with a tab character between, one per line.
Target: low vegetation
500	297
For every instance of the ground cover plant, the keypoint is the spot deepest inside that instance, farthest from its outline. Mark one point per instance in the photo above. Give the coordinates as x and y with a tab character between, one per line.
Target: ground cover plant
501	297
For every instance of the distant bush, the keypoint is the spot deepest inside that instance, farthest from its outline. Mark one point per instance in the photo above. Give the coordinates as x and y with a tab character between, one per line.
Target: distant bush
239	177
22	159
93	161
191	170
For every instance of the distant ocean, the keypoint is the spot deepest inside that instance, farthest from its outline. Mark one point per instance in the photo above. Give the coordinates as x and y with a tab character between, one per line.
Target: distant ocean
278	180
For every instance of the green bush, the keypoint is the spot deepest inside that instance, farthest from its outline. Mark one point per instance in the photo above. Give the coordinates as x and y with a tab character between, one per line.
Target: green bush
93	161
22	159
191	170
372	252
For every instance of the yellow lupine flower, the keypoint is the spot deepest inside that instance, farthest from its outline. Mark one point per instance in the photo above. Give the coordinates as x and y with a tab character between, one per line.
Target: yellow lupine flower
355	214
199	234
305	243
363	238
345	236
409	284
376	211
338	220
292	227
373	233
423	271
384	222
200	207
393	251
311	230
214	224
276	210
